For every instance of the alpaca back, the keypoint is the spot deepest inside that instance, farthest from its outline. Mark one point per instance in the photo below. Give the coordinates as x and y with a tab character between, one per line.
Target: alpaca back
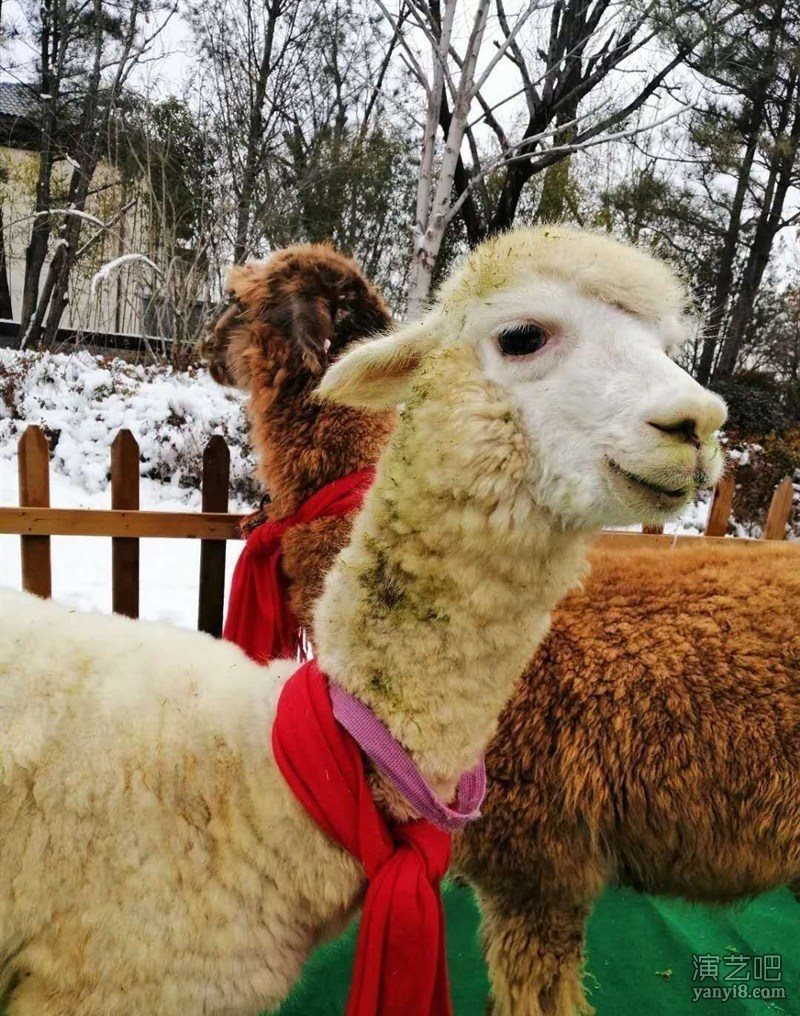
125	745
94	684
655	736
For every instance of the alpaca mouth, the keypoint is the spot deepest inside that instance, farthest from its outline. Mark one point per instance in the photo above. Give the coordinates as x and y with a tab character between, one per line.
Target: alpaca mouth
677	494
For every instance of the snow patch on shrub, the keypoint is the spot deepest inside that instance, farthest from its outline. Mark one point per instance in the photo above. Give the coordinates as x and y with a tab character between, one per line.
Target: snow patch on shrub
81	401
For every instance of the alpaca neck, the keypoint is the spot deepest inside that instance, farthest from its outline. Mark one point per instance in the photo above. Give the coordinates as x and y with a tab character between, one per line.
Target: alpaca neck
302	445
432	612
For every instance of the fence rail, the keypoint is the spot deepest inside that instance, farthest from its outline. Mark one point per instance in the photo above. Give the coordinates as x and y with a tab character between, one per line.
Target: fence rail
142	524
35	522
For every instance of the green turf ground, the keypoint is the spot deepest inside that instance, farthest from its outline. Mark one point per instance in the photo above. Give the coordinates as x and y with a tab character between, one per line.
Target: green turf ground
639	957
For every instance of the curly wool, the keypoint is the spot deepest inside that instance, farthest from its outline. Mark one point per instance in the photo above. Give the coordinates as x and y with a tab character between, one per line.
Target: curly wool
153	858
654	742
271	343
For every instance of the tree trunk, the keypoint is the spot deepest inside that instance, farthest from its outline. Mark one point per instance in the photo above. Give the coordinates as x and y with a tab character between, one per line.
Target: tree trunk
727	256
423	241
554	199
36	251
517	175
33	333
54	297
470	214
767	228
255	139
35	256
6	310
419	283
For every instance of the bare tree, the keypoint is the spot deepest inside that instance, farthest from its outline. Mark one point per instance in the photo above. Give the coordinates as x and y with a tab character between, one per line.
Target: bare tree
88	51
253	50
782	172
172	158
345	172
583	51
586	43
459	78
761	123
307	150
57	29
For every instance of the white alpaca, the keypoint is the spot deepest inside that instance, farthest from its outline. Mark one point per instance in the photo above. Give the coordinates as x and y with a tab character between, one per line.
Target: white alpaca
154	861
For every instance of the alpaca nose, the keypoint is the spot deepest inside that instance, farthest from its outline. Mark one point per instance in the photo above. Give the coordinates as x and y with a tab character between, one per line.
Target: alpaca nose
692	418
686	430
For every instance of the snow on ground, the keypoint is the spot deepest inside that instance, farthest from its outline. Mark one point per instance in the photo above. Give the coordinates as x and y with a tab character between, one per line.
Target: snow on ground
81	401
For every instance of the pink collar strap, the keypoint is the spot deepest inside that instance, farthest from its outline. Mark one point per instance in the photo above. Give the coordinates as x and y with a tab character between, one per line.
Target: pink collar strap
394	763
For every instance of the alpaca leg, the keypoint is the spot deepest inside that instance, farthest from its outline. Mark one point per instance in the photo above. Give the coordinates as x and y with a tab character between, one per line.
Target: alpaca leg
534	955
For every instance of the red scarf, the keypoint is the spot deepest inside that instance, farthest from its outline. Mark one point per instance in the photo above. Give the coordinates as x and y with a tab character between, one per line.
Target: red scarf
260	619
400	967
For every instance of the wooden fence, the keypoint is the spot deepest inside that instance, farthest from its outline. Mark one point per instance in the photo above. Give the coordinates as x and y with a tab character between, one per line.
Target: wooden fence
35	522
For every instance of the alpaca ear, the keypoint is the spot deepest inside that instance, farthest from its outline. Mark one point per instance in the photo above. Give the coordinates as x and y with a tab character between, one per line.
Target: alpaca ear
306	317
224	345
378	373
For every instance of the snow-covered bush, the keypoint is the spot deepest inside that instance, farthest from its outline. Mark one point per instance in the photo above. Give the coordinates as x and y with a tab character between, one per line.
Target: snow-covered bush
759	467
81	401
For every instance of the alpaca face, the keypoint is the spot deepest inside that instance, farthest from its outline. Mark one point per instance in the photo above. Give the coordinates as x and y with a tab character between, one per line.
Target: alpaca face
572	332
618	433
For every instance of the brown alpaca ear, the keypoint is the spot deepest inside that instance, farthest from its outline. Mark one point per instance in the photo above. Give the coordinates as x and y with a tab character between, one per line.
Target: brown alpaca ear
307	318
223	347
379	373
227	339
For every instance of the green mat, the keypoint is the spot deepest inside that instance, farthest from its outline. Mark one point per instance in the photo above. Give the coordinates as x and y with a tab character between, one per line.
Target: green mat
640	958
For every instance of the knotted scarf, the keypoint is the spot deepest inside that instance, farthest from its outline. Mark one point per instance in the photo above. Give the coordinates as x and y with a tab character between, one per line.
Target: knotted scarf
400	966
260	619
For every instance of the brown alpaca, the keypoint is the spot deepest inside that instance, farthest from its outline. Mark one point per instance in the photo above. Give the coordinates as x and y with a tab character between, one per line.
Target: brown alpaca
654	740
287	317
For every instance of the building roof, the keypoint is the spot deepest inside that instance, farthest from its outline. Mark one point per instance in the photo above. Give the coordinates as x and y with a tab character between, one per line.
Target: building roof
18	100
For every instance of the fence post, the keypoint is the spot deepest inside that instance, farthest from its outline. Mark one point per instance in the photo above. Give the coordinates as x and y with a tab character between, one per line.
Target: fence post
124	549
720	511
780	509
34	491
216	478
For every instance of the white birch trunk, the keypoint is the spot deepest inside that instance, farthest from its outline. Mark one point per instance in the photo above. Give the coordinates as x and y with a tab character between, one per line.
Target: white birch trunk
421	271
434	214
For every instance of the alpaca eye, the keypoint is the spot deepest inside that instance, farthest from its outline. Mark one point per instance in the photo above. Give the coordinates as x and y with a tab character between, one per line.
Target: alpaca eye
522	340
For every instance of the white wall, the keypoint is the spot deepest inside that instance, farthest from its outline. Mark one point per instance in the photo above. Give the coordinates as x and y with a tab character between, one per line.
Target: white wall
18	196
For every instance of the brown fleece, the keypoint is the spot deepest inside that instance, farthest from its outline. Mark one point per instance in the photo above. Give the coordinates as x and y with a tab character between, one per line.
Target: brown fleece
654	739
654	742
270	341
